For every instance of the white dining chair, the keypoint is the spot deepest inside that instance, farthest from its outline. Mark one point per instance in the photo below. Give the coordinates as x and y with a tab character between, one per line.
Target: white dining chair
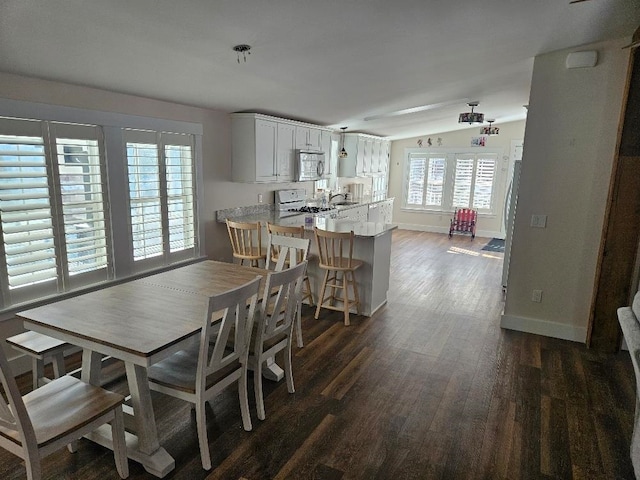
200	373
56	414
274	326
289	251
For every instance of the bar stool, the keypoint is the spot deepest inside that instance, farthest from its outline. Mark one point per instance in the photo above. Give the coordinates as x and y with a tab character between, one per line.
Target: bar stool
40	348
246	242
335	250
295	232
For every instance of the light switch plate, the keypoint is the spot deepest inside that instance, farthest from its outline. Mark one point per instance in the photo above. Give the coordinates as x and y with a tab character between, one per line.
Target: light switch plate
538	221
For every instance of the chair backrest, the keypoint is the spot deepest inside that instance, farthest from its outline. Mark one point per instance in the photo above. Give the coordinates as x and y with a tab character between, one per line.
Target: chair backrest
282	294
465	216
246	238
13	414
335	249
628	318
238	307
284	231
286	251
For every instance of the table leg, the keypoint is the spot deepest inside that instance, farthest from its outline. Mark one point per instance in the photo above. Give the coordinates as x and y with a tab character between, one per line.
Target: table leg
271	370
91	366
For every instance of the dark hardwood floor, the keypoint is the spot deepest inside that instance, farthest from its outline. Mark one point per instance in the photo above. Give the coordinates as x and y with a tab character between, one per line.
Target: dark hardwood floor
428	388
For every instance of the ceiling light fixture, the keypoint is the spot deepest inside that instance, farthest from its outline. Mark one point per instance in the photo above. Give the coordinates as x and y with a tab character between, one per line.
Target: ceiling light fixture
490	130
471	117
244	50
343	153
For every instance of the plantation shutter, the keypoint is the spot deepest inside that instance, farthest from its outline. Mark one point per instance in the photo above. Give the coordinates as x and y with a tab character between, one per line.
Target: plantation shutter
178	153
26	217
415	188
435	181
80	174
484	179
463	181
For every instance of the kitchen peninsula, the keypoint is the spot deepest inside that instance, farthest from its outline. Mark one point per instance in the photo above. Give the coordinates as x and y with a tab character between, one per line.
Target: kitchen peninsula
372	243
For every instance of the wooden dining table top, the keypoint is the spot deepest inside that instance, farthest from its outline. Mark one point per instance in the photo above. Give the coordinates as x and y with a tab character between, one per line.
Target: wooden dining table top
144	316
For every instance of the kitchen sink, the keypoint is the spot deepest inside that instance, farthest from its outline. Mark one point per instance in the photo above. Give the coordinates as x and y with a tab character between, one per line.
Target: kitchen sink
345	203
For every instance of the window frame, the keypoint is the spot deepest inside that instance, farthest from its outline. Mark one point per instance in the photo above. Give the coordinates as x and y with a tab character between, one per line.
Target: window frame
112	126
451	155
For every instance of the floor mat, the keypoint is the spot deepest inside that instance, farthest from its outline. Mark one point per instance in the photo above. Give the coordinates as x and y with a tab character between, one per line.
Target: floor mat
495	245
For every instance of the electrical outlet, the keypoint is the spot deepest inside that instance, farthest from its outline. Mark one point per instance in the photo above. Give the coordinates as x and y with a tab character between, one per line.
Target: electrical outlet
259	198
536	296
539	221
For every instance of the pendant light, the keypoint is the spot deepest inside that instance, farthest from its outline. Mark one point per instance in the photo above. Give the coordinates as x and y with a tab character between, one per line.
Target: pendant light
343	153
471	117
489	130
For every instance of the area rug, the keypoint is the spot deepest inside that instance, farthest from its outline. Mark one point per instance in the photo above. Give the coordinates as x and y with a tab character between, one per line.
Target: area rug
495	245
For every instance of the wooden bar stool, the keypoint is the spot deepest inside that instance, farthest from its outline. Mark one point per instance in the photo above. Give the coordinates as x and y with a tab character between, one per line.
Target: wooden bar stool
40	348
246	242
295	232
335	250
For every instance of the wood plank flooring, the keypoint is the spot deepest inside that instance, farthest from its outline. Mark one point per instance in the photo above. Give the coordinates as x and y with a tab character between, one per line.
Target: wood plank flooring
428	388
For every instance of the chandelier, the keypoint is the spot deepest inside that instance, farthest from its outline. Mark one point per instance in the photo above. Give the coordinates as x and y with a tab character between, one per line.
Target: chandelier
490	130
471	117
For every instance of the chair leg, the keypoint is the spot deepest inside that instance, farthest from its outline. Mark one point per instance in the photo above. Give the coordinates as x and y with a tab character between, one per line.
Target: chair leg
34	469
244	399
58	365
37	370
257	386
288	371
201	423
355	291
323	289
73	446
299	325
345	297
119	443
309	293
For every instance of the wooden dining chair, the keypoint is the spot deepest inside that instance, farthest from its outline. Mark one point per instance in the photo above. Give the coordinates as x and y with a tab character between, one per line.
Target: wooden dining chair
246	242
54	415
274	326
40	348
335	254
290	251
295	232
201	372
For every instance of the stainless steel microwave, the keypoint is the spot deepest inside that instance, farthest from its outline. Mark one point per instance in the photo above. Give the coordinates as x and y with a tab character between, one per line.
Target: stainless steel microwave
309	166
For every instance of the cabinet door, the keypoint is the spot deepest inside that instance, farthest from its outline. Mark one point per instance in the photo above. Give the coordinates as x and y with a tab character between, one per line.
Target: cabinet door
266	135
315	139
286	152
375	156
384	157
329	154
360	155
368	153
302	138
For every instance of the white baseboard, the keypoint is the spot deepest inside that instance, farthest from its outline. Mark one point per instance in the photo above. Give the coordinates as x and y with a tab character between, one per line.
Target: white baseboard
445	230
544	327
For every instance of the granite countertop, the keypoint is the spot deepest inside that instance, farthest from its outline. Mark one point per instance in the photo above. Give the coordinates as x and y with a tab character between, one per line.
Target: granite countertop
266	213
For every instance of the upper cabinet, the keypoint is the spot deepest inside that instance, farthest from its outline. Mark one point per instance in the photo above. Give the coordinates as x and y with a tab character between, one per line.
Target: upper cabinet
308	138
366	156
263	148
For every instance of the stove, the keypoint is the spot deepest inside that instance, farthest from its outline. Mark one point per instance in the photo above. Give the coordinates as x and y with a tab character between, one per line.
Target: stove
293	201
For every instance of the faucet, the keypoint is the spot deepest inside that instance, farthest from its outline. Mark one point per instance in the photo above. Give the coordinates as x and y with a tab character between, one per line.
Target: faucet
343	195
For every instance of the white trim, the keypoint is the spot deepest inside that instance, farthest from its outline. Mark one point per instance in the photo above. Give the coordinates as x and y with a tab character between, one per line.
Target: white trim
544	327
58	113
435	229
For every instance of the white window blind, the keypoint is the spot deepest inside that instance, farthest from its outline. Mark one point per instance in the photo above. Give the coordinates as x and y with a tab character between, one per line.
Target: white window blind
25	207
443	181
161	193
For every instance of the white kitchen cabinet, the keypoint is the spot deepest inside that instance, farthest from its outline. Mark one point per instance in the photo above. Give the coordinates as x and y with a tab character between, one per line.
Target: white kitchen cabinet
367	155
263	148
325	146
308	138
385	211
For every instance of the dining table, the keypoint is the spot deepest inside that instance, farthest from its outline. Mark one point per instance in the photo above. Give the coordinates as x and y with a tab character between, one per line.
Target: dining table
140	322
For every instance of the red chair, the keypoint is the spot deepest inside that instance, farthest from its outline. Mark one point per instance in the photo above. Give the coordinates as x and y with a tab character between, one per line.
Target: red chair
464	221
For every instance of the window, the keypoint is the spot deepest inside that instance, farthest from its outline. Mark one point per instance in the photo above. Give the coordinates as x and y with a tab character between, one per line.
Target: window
52	208
161	194
57	231
445	180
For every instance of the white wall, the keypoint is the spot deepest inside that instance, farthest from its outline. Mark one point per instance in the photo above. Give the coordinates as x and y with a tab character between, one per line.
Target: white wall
490	226
569	147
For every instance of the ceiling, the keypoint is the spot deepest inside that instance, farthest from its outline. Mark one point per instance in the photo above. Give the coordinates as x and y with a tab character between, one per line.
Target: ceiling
328	62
